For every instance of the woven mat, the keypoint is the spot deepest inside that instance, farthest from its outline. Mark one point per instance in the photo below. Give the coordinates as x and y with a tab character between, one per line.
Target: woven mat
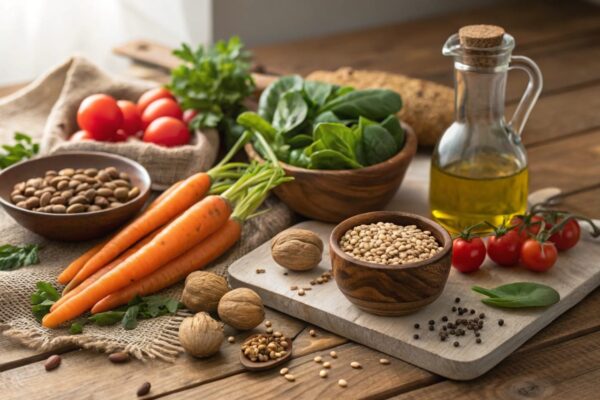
27	111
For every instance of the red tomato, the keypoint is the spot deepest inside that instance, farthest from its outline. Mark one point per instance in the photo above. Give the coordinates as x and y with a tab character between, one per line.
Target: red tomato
81	135
534	225
119	136
538	256
188	116
504	249
468	255
132	122
152	95
100	115
167	131
568	236
161	108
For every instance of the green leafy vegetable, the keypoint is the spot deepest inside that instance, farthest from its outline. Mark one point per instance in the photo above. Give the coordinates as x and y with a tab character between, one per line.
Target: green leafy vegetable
378	144
15	257
374	104
337	137
107	318
23	149
291	111
42	299
138	308
269	99
331	159
318	92
76	328
519	295
214	81
392	125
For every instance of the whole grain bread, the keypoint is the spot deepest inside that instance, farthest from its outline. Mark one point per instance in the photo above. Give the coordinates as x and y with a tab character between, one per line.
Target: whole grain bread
428	106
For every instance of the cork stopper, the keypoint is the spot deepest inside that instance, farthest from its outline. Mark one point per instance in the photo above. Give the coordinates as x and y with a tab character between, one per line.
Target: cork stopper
481	36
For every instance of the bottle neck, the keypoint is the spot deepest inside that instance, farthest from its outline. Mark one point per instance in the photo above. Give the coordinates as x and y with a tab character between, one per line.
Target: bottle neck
479	96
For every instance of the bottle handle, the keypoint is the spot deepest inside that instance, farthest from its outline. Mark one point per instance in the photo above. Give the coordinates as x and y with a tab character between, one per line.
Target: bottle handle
532	92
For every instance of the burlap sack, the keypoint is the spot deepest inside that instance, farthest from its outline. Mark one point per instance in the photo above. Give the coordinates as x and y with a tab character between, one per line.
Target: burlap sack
27	110
76	79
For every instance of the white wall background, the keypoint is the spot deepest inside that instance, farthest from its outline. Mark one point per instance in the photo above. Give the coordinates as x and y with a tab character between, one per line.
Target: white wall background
37	34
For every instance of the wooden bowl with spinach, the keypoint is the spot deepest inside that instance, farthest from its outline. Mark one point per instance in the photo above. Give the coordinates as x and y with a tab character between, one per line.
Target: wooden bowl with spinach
345	148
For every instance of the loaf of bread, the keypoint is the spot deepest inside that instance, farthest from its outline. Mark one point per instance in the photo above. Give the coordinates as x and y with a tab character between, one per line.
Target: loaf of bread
428	106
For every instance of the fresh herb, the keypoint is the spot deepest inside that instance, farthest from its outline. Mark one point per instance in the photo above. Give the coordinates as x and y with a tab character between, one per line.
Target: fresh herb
23	149
42	299
76	328
15	257
322	126
214	81
519	295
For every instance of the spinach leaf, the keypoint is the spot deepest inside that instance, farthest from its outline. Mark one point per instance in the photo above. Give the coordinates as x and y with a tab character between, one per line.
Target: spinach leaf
341	90
23	148
378	144
327	116
299	158
317	92
300	141
315	146
291	111
519	295
392	125
331	159
253	121
336	137
374	104
15	257
270	97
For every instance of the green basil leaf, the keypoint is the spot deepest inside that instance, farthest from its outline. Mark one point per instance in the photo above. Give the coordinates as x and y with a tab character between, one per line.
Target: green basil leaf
269	99
317	92
519	295
290	113
15	257
378	144
374	104
392	125
24	148
331	160
130	318
336	137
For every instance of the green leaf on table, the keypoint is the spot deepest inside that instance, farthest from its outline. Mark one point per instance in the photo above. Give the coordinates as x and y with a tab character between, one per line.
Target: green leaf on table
269	99
519	295
130	318
76	328
290	113
374	104
107	318
42	299
15	257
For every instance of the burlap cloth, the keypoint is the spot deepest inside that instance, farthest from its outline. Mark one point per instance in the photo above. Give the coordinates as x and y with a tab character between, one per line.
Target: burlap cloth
42	104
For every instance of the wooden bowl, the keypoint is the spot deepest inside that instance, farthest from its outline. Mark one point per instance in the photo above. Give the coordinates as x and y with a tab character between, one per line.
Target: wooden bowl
73	227
334	195
391	290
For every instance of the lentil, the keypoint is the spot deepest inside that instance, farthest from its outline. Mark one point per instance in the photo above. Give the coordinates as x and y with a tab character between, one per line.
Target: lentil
342	383
318	359
355	365
231	339
384	361
312	333
263	348
333	354
290	377
326	364
284	371
323	373
389	244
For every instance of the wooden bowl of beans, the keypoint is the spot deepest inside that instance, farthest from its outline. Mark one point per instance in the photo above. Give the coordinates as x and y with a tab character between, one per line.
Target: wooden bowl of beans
74	196
390	263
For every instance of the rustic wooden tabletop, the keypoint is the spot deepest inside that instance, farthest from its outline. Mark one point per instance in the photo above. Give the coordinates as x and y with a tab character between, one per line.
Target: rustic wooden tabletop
563	141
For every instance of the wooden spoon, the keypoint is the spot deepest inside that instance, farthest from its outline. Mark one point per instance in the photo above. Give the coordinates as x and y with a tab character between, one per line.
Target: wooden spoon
264	365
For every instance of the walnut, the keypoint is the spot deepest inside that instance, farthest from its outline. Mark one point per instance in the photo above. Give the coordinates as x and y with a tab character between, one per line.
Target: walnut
203	290
297	249
200	335
241	308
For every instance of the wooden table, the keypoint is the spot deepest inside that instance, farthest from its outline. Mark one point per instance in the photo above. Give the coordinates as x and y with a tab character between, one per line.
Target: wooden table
563	141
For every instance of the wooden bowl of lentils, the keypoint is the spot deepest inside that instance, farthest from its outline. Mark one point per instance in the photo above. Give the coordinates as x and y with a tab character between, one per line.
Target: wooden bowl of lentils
390	263
74	196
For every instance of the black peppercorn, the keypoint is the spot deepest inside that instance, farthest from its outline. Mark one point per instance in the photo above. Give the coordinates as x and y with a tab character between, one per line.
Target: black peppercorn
453	309
472	311
456	344
481	316
431	327
477	334
452	332
478	341
431	322
416	337
500	322
444	318
417	326
457	300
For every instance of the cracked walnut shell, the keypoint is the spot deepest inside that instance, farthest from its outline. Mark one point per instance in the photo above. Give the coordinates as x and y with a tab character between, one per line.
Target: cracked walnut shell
297	249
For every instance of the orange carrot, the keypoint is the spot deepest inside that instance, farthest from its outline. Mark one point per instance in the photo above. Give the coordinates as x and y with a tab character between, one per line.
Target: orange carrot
174	271
187	230
96	275
180	199
68	273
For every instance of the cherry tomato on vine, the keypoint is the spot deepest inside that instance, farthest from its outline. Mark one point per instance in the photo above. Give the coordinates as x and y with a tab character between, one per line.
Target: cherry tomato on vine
152	95
468	254
568	236
538	256
100	115
528	226
161	108
132	122
504	249
167	131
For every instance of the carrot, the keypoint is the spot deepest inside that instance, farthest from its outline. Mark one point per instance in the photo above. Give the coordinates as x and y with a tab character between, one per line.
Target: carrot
187	230
68	273
96	275
175	270
180	199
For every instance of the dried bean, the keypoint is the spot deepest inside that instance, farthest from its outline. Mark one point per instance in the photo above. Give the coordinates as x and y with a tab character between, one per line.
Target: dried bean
52	362
119	357
144	389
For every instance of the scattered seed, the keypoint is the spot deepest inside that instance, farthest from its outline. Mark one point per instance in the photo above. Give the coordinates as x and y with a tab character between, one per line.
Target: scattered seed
231	339
318	359
355	365
284	371
333	354
416	337
144	389
457	300
285	273
478	340
384	361
301	292
323	373
312	333
444	319
342	383
326	364
456	344
481	316
417	326
294	287
431	328
260	271
119	357
290	377
431	322
500	322
268	323
52	362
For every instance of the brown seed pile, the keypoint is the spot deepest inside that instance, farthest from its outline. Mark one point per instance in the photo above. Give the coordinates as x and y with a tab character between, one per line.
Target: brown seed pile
75	191
389	244
263	347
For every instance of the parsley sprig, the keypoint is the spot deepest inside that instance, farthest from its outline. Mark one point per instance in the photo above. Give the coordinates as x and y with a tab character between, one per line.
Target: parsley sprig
15	257
23	148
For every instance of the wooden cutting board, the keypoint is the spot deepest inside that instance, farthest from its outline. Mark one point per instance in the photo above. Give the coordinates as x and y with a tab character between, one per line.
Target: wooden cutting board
575	275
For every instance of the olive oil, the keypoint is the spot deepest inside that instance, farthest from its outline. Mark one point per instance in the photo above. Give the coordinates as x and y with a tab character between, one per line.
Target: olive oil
487	188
